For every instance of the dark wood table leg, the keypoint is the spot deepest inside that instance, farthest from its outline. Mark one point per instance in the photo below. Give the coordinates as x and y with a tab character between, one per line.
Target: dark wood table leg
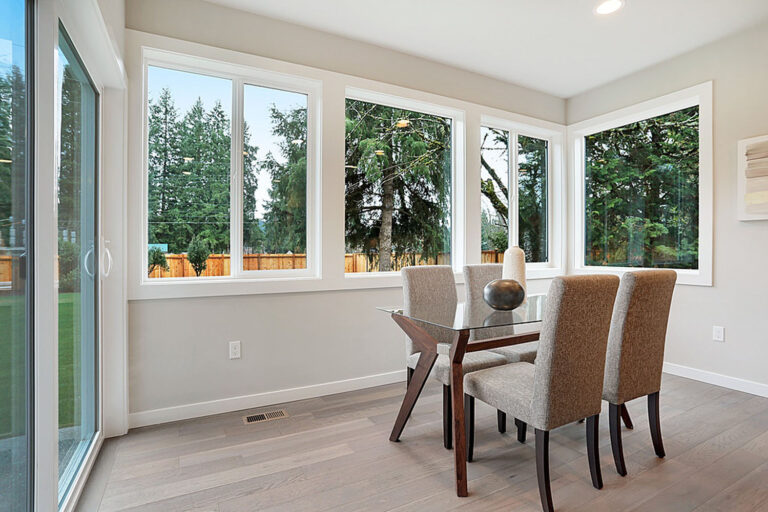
458	349
428	349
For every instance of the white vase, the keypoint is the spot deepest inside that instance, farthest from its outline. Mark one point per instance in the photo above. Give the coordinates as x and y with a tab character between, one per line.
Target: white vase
514	266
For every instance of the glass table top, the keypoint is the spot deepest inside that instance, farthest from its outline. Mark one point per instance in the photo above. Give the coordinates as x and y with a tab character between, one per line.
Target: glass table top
471	316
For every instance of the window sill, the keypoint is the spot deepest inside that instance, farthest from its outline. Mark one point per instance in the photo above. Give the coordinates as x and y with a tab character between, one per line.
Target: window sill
223	287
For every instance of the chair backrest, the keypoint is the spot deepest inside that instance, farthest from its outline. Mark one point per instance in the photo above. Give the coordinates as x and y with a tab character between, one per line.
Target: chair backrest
568	379
638	331
429	291
475	279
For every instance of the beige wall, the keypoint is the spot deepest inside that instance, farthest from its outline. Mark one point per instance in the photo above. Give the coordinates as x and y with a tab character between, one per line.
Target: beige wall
221	27
739	298
178	360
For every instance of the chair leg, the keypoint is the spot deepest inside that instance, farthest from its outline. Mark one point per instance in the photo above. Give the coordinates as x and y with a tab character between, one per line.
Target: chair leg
408	376
501	419
593	451
655	421
469	424
522	428
626	418
447	418
542	469
614	420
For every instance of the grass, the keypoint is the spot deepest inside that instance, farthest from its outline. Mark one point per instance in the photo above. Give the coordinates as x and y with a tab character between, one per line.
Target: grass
13	366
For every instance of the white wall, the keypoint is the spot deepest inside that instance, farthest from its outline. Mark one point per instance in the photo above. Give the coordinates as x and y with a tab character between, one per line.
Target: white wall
738	299
178	364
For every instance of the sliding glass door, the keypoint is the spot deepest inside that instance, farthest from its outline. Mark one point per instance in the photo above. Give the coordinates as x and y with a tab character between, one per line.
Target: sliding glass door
15	235
77	262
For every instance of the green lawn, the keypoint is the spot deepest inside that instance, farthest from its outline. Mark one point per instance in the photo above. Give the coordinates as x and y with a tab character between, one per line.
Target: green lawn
12	364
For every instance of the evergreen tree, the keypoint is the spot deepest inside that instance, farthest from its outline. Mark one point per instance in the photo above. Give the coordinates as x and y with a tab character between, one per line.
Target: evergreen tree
398	182
285	218
165	168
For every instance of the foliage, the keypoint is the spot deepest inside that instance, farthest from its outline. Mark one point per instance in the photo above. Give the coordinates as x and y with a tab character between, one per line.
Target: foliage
12	154
642	193
69	266
398	182
531	193
157	259
197	254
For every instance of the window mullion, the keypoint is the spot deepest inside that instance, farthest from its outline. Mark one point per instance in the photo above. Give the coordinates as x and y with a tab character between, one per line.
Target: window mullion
514	213
236	181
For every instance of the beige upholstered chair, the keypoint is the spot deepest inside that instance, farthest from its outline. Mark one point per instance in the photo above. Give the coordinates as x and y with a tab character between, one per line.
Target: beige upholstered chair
636	352
565	383
431	291
475	279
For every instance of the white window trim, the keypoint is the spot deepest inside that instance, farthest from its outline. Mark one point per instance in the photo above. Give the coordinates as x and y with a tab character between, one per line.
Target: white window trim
556	232
239	76
700	95
458	171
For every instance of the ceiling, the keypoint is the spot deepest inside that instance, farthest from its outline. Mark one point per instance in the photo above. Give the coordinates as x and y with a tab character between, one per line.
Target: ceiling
557	46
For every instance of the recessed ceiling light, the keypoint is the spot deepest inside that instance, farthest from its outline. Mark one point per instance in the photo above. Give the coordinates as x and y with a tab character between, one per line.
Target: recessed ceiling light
609	6
4	161
402	123
297	141
186	173
188	159
379	152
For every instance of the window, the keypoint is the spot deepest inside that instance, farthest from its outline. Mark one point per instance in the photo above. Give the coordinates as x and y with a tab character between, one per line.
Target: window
398	209
15	259
228	187
274	179
529	169
188	164
645	194
642	193
78	262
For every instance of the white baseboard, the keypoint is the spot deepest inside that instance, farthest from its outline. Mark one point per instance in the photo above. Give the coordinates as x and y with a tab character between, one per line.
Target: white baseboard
735	383
237	403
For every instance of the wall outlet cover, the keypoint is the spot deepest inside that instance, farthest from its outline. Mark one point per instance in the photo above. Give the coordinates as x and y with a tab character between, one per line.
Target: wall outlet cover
234	350
718	333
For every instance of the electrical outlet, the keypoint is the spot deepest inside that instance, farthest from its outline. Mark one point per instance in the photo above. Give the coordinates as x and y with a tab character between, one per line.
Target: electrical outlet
234	350
718	333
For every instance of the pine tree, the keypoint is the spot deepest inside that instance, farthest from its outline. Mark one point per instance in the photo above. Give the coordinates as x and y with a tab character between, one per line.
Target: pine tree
398	182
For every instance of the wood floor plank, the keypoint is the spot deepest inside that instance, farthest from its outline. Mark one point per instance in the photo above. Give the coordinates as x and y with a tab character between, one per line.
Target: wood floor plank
332	454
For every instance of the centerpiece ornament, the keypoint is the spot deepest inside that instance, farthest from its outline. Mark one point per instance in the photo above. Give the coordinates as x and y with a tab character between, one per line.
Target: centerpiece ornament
504	294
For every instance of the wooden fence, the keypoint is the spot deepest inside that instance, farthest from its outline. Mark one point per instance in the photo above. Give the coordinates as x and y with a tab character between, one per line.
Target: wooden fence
219	265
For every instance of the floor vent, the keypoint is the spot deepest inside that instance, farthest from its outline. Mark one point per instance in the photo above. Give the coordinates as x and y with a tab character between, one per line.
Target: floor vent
265	416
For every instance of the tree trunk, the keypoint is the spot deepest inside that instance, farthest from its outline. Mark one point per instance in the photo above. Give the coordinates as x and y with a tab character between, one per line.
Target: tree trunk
385	233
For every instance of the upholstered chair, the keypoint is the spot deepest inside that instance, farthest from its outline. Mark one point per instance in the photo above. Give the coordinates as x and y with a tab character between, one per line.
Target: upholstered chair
565	382
430	291
636	352
475	279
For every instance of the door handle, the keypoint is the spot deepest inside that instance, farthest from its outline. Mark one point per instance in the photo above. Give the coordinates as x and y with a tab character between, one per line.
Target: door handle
88	253
108	261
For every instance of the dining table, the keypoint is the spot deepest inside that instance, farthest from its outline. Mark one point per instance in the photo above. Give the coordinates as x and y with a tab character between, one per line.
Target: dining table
473	327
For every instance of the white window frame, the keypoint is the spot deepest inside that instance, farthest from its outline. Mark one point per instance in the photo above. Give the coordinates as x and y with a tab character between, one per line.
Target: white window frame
698	95
240	76
458	174
556	233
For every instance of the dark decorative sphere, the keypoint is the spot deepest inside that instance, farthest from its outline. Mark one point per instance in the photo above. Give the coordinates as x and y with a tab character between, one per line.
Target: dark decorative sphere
503	294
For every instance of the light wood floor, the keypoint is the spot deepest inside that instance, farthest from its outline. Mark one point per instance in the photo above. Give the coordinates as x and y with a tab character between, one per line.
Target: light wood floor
333	454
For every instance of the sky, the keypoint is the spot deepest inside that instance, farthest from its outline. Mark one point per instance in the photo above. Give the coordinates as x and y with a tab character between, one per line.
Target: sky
11	34
186	88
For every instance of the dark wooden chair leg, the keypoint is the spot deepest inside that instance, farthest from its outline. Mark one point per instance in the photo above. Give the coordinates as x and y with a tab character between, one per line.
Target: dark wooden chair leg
542	469
614	420
593	451
501	419
447	418
469	422
626	418
655	421
409	375
522	428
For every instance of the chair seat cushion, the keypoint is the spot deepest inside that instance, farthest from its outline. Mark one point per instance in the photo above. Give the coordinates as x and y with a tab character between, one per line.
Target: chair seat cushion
508	388
524	352
473	362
